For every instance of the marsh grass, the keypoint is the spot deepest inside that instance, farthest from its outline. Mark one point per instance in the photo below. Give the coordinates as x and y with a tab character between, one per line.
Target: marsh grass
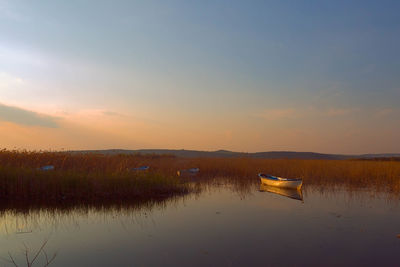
91	178
350	174
80	179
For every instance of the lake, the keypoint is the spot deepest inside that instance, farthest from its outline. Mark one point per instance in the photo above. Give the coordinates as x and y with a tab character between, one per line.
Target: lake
220	226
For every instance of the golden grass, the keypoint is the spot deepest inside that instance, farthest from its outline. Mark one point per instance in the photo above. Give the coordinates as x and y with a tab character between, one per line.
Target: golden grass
79	178
94	177
374	175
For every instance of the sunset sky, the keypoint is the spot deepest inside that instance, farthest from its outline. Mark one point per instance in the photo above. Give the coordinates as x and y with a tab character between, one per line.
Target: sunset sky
320	76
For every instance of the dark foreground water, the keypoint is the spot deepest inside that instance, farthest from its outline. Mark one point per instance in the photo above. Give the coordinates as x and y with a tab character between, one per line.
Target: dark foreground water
219	227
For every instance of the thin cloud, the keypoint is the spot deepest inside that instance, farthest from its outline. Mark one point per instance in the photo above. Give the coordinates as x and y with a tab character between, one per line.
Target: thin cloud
26	117
277	114
113	113
341	111
386	112
7	80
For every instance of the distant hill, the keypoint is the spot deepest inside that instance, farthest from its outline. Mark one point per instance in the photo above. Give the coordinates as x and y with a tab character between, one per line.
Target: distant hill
230	154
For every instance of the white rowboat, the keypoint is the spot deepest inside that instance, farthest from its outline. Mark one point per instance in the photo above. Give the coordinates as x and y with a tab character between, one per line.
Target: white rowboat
280	182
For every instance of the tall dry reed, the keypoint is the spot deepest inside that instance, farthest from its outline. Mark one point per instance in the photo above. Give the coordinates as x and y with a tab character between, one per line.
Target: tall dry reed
95	176
81	178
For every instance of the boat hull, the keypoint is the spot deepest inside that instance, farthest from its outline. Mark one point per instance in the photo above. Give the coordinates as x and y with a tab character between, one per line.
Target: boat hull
284	183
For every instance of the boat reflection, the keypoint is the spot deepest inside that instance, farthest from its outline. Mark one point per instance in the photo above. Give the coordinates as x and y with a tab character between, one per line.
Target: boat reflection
291	193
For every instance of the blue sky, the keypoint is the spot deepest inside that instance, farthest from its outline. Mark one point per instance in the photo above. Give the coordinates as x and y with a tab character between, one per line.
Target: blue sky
265	75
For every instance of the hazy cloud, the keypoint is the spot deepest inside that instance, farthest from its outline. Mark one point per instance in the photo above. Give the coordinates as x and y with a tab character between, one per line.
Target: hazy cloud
304	112
26	117
386	112
7	81
278	113
341	111
113	113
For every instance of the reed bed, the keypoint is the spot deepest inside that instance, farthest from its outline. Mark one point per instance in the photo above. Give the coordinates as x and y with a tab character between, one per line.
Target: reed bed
85	177
350	174
79	178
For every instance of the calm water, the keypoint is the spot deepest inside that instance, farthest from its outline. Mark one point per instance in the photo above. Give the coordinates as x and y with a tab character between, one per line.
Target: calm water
219	227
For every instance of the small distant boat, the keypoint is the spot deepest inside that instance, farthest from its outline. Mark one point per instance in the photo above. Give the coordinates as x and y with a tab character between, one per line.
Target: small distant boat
280	182
287	192
141	168
188	171
47	168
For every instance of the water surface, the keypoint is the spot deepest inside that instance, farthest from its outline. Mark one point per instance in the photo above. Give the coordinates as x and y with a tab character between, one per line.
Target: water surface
218	227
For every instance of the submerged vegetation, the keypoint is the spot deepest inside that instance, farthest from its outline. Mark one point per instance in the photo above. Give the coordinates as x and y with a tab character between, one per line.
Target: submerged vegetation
97	178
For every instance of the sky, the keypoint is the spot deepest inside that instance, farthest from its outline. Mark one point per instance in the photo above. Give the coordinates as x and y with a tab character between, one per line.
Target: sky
248	76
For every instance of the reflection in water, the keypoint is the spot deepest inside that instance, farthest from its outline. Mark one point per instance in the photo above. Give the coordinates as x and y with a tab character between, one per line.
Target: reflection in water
216	227
24	207
32	258
291	193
